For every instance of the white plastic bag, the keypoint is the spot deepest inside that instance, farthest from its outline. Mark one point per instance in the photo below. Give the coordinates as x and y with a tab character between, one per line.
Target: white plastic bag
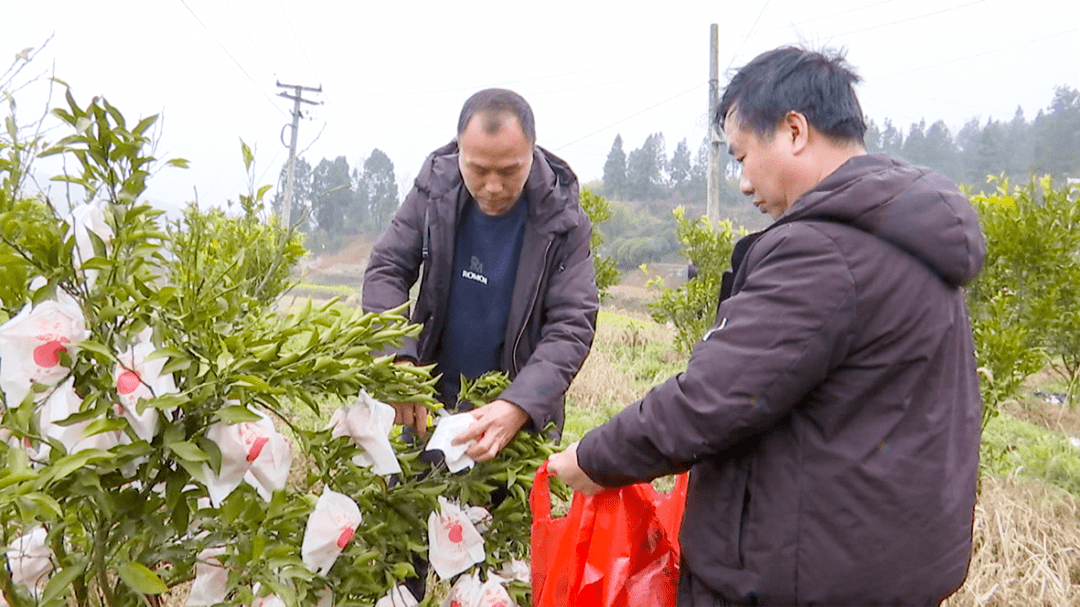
31	343
247	447
398	596
446	430
368	423
468	591
454	544
516	570
270	600
465	592
30	560
210	579
61	404
84	220
138	378
494	594
329	528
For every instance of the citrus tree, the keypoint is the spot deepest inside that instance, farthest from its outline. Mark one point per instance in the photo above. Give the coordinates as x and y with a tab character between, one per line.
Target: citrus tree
1025	304
140	356
691	307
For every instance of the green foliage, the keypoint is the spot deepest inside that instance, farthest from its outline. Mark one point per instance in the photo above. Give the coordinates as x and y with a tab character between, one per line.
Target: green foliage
1011	447
692	306
1024	304
599	211
126	523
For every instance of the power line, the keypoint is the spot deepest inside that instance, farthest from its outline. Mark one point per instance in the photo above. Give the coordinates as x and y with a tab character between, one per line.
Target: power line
829	16
617	122
748	33
996	50
923	16
255	46
184	2
298	43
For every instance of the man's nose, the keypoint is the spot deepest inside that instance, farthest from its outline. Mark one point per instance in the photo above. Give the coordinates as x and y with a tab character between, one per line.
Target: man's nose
493	185
744	185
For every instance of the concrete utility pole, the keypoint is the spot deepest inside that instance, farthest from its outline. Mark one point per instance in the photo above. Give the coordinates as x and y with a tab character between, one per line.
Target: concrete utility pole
296	114
712	202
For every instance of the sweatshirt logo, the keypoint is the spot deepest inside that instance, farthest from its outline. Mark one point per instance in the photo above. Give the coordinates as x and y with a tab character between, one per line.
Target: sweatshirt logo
475	272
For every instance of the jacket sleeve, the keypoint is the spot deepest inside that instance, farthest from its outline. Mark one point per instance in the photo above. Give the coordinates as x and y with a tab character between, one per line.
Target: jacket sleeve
569	308
395	261
775	339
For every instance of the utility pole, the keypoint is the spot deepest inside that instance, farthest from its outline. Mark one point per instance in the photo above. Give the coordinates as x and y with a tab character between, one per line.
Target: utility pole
712	202
296	114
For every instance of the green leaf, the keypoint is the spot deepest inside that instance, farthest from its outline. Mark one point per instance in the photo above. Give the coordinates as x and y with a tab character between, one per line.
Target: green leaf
62	580
235	414
248	156
178	162
188	451
141	580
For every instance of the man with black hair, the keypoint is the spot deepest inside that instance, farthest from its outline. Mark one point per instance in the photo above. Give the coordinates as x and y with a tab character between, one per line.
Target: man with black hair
830	418
494	224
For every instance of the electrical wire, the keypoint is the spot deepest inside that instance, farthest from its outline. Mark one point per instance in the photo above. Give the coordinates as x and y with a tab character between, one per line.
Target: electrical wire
923	16
965	58
255	46
298	43
620	121
226	51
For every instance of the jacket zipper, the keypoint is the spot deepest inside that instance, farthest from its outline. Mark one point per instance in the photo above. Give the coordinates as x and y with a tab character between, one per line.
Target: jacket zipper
528	314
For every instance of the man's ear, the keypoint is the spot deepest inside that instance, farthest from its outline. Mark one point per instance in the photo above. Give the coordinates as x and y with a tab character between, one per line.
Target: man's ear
797	129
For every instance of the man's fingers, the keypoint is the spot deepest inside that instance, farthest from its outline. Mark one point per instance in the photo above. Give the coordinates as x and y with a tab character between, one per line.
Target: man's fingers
420	418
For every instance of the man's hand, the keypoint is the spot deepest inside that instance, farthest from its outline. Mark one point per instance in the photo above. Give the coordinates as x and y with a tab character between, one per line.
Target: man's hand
565	466
411	414
497	423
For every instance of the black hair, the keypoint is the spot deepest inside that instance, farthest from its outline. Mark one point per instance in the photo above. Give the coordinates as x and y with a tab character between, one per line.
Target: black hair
493	103
818	85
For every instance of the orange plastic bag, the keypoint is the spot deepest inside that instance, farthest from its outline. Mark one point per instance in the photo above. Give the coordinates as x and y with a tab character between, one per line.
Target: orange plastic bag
619	547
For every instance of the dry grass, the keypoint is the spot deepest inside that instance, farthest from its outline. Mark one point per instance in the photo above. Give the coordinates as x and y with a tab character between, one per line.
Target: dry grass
1027	548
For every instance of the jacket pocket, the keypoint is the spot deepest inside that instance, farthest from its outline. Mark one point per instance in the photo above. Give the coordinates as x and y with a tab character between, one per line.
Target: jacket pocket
717	507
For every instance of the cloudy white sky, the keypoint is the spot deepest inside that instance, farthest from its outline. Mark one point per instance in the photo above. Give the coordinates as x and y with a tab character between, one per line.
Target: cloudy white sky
395	73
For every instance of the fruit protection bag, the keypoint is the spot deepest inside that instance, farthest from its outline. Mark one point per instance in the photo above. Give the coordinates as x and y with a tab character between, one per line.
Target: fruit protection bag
619	547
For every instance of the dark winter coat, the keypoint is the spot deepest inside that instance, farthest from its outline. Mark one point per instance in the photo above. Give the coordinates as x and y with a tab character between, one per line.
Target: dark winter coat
553	310
831	417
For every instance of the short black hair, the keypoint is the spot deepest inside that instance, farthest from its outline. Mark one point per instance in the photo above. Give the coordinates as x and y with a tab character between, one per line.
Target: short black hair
818	85
493	103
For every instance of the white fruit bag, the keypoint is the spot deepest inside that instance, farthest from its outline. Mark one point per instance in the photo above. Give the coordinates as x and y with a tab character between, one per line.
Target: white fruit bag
398	596
29	560
138	378
446	430
245	446
465	592
494	594
61	404
210	579
329	528
84	220
454	544
368	423
31	343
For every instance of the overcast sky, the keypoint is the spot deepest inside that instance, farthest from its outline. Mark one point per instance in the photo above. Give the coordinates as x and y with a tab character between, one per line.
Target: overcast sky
395	73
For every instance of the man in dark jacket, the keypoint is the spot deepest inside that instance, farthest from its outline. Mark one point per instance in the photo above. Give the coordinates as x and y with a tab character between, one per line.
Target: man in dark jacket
494	224
830	418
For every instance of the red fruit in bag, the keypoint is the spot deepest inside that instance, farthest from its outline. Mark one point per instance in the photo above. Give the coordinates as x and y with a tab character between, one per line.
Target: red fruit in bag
47	355
345	536
128	382
256	448
455	534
